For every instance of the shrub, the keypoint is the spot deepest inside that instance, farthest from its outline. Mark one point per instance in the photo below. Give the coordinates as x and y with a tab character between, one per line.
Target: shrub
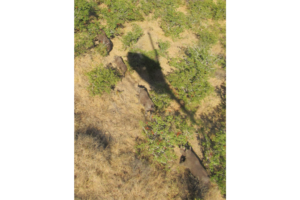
200	10
147	7
214	133
87	27
163	47
216	154
117	13
160	97
162	135
173	23
219	11
207	37
132	37
190	81
102	80
83	10
158	7
83	42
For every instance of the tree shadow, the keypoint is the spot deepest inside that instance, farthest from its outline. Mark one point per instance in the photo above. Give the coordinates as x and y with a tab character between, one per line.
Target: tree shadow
151	71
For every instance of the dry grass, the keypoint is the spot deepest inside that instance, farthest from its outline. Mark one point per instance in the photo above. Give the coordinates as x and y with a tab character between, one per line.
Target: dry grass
107	127
112	173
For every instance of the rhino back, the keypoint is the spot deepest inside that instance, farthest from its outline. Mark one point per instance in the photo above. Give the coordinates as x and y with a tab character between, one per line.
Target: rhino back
195	166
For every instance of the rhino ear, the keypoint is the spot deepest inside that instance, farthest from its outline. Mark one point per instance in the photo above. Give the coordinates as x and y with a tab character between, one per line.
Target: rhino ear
182	151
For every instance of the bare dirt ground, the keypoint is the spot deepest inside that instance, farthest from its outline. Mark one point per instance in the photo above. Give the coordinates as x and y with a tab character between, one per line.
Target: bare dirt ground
107	127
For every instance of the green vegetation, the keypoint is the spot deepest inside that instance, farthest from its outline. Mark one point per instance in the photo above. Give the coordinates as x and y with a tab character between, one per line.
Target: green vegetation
102	80
88	16
188	83
160	98
117	13
216	154
89	19
214	133
132	37
173	23
162	135
163	47
84	12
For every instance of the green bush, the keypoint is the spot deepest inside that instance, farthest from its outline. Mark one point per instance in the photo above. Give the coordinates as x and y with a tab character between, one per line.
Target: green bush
217	158
83	11
207	9
173	23
117	13
102	80
162	135
147	7
207	37
132	37
158	7
163	47
190	81
160	97
83	42
214	144
199	12
87	25
219	11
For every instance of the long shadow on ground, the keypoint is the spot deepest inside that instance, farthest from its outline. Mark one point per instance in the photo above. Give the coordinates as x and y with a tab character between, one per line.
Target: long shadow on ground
151	71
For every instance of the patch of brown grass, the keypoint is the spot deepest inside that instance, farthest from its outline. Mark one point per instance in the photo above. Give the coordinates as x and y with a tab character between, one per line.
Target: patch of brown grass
112	173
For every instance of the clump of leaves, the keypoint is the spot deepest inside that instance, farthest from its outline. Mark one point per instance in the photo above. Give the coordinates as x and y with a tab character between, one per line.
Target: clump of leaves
216	155
87	26
83	42
83	11
190	81
101	49
117	13
214	144
162	135
158	7
163	47
102	80
207	9
199	12
223	41
207	37
219	11
173	23
132	37
147	6
160	97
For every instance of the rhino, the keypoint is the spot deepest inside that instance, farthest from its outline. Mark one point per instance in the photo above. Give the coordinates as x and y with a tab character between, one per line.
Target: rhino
102	38
145	100
190	160
120	65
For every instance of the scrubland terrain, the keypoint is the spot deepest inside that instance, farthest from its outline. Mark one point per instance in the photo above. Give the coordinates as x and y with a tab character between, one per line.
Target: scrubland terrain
120	153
